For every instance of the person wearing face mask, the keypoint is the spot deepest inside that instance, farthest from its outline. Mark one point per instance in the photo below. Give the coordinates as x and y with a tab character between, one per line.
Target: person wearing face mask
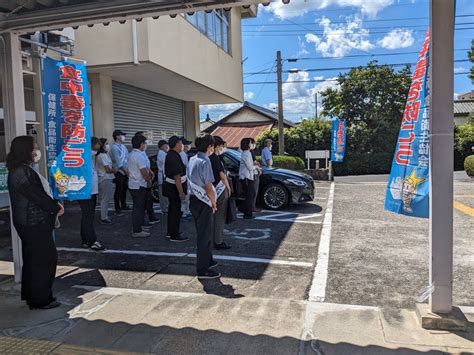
258	172
33	211
184	158
175	188
163	149
105	172
267	156
247	173
119	156
88	235
139	180
149	209
223	191
203	205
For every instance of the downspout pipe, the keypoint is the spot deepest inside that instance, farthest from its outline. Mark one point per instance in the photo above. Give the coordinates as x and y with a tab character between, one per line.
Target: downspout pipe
135	43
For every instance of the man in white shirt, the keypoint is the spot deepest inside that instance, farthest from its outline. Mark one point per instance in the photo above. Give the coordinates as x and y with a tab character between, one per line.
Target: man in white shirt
119	156
139	179
184	158
88	236
163	149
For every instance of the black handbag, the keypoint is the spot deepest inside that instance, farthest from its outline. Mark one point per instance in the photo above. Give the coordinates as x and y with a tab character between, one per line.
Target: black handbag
231	215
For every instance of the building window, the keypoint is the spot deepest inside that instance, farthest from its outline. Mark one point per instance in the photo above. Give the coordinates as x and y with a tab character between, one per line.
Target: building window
215	25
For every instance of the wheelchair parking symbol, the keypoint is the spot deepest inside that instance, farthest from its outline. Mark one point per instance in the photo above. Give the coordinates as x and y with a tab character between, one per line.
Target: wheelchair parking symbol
249	233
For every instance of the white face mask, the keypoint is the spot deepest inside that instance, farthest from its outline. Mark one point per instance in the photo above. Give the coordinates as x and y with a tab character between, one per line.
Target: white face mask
106	147
122	139
37	155
270	147
223	150
252	146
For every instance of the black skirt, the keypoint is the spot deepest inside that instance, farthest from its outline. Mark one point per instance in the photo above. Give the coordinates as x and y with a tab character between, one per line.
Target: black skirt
39	263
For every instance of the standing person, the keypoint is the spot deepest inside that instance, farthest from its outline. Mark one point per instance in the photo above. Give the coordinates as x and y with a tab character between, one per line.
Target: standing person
149	209
203	204
247	172
175	188
139	179
105	172
267	156
223	191
163	149
88	235
34	212
184	158
258	172
119	156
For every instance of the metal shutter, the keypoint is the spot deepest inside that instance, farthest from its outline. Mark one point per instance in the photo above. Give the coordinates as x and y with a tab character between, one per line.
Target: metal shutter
137	109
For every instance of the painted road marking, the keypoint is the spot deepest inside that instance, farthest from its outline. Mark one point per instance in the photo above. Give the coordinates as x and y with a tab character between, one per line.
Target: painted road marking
265	233
189	255
275	217
463	208
317	291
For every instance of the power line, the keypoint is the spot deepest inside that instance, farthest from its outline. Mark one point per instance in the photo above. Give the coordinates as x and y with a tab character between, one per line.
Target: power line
312	81
369	55
353	67
344	22
339	33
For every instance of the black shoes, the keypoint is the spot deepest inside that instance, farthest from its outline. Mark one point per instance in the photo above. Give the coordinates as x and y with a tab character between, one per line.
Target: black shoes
178	238
209	274
222	246
53	304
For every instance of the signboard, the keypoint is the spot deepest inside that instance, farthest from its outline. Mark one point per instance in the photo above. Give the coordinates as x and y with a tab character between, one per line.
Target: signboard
408	185
338	146
67	129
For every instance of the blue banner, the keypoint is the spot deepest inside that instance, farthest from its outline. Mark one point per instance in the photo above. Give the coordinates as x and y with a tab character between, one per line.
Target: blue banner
408	185
67	129
338	145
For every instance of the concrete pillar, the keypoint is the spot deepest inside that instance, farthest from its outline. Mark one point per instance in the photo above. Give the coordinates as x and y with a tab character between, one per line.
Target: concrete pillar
441	157
11	67
102	109
191	114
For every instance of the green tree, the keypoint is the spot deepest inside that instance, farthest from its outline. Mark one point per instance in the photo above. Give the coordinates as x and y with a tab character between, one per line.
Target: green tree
470	56
372	98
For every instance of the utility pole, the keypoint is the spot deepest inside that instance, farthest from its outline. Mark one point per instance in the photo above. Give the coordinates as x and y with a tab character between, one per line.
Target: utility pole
316	104
281	134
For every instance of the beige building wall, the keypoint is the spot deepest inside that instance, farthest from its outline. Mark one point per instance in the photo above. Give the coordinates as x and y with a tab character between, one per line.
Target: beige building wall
102	105
246	115
191	125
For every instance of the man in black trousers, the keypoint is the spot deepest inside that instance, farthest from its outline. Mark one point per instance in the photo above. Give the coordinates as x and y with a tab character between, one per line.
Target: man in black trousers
175	188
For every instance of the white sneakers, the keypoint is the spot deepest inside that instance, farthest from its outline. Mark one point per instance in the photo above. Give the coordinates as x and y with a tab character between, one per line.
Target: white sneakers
142	234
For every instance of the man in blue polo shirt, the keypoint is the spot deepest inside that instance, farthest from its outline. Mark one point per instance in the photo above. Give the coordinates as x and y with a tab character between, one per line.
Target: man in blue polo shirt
203	204
267	156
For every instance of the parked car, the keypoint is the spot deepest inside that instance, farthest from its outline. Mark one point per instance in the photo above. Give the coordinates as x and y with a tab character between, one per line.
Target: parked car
278	187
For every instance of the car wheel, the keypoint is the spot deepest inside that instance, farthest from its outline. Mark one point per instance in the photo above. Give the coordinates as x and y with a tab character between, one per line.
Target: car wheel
154	192
275	196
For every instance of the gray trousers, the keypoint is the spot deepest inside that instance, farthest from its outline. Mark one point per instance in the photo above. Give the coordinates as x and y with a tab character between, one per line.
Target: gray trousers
219	218
256	183
164	203
106	195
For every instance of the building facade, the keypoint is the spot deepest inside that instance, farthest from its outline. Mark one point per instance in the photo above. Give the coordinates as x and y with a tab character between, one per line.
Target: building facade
152	75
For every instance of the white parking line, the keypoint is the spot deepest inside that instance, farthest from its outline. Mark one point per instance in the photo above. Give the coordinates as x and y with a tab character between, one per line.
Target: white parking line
189	255
317	291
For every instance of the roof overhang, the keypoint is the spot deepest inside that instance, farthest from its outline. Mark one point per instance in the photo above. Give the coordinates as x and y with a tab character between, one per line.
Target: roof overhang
43	15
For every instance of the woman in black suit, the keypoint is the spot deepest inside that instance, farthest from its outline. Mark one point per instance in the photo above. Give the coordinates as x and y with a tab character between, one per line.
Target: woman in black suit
34	214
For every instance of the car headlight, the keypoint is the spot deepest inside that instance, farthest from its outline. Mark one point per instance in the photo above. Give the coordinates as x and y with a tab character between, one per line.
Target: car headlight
296	182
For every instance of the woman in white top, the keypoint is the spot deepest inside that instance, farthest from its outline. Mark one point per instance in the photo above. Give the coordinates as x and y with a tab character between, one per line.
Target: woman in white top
106	180
247	172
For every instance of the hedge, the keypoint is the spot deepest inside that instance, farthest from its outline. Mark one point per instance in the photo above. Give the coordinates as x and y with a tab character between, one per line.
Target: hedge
469	165
287	162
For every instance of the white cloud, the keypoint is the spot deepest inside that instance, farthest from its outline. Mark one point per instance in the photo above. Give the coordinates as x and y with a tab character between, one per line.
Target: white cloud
298	97
339	39
300	7
248	95
459	69
397	38
302	47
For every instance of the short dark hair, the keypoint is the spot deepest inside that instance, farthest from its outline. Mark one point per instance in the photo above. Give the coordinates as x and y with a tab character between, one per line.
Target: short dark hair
139	133
245	143
21	150
137	141
203	142
218	141
94	141
173	141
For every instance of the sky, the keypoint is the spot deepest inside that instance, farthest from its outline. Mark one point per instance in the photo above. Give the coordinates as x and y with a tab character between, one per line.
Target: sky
327	37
